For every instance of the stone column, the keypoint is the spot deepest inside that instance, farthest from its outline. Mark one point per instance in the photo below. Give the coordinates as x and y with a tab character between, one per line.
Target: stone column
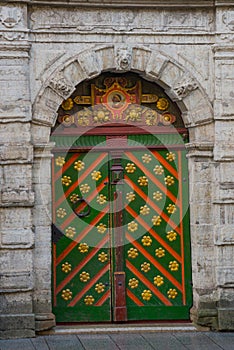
16	195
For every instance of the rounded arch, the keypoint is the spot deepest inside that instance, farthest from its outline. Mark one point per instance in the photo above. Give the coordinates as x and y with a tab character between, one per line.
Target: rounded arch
179	84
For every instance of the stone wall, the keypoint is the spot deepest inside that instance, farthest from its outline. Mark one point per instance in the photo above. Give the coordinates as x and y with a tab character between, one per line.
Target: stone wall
46	49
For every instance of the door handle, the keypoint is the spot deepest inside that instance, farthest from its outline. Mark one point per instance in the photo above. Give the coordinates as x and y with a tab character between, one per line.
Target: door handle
81	214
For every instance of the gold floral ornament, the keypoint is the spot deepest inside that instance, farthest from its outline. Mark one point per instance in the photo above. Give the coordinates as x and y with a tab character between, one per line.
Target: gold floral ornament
156	220
133	283
66	180
96	175
101	115
145	267
67	120
83	248
70	232
146	158
66	294
83	117
84	188
169	180
74	198
170	156
151	117
61	213
132	226
84	276
130	168
66	267
132	253
158	170
146	241
158	281
143	181
102	257
130	196
162	104
67	105
146	294
79	165
171	208
60	161
89	300
101	228
100	287
101	199
173	265
133	114
157	196
160	252
172	293
144	210
171	236
167	119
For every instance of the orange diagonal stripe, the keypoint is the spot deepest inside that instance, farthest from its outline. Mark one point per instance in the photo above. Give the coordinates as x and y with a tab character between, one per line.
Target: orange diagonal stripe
89	285
81	265
154	206
102	300
166	164
154	262
82	235
148	284
134	298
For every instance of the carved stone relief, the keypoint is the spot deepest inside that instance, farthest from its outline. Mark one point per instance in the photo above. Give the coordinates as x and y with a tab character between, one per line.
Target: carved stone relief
61	85
184	86
10	16
228	19
123	58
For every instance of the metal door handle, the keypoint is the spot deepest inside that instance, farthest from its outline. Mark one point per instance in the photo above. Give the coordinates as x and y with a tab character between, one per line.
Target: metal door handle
82	214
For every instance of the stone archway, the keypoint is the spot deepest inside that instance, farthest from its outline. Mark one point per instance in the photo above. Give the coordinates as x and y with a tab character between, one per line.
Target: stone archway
197	114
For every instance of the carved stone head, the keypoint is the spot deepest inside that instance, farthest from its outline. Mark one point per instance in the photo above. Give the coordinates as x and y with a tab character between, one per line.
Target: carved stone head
123	58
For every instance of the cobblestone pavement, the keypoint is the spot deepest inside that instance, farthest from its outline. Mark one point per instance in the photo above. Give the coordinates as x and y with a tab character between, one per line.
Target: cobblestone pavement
125	341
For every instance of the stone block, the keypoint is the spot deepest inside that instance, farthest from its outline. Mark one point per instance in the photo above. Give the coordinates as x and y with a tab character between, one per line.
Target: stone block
171	74
225	276
106	57
224	144
19	132
15	218
74	73
225	255
202	234
16	303
19	197
42	172
17	326
17	176
90	63
43	235
44	321
17	238
42	214
140	58
156	64
42	303
16	281
20	153
16	262
226	319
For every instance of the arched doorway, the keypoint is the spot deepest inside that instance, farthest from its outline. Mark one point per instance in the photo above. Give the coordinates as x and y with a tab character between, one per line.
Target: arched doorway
121	245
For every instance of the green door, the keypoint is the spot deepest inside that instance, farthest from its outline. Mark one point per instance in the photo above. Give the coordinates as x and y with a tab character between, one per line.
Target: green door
121	247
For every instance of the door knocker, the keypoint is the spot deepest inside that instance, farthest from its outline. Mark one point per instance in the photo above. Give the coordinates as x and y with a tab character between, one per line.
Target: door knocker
81	214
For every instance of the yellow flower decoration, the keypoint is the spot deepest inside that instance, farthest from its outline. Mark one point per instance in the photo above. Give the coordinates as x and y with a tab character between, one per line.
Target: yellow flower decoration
132	253
96	175
158	169
83	117
79	165
66	294
67	105
130	196
145	267
172	293
146	158
143	181
89	300
60	161
162	104
74	198
146	294
66	180
144	210
171	156
130	168
133	283
171	236
102	257
84	276
84	188
100	287
157	196
66	267
169	180
101	199
101	115
70	232
132	226
83	248
171	208
101	228
146	241
158	281
159	252
156	220
61	213
173	265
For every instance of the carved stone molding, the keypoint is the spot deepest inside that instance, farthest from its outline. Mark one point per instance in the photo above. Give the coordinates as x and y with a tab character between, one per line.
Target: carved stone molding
184	86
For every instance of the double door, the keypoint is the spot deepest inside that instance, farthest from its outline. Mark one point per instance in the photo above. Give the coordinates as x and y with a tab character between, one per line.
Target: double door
121	248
